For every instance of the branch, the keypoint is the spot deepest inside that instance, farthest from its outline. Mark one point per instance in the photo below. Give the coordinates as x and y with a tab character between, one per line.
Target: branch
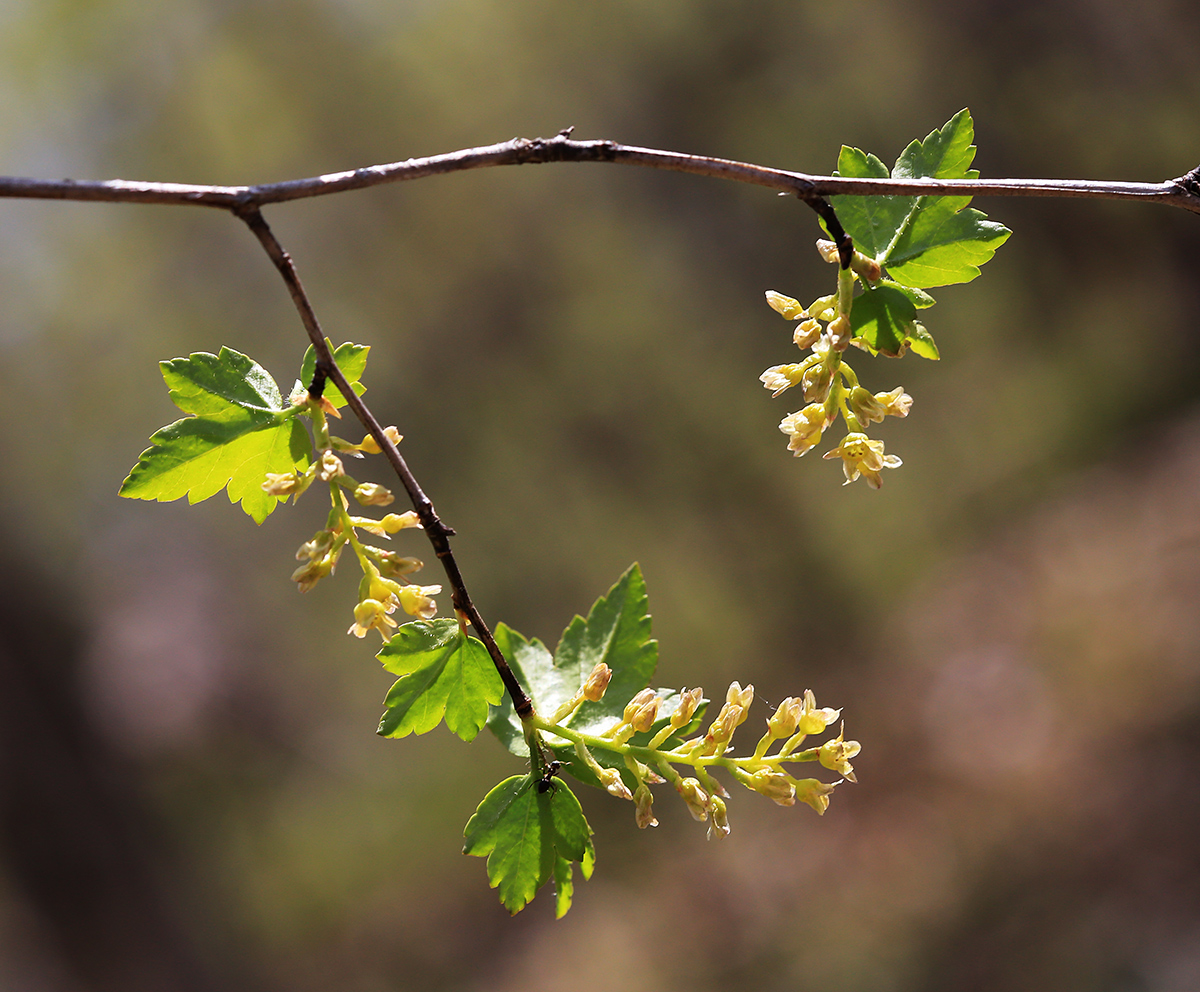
438	533
1183	192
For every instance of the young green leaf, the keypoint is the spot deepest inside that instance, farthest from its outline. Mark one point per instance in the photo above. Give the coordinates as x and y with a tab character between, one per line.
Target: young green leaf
922	241
240	431
443	674
526	835
350	358
884	322
616	632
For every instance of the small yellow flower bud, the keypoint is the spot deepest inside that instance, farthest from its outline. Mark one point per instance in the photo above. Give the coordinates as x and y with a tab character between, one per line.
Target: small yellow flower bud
417	601
781	377
806	334
283	483
395	522
373	494
784	721
866	407
785	305
322	541
815	793
721	731
596	683
836	754
775	786
697	799
610	778
371	614
823	308
718	827
816	381
805	428
896	403
371	446
330	467
839	332
828	251
307	576
644	815
738	696
394	566
687	707
636	703
813	720
645	716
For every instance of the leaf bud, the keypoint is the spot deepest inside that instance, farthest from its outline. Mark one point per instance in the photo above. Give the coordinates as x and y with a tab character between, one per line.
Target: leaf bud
785	305
597	682
373	494
644	814
687	707
696	798
610	778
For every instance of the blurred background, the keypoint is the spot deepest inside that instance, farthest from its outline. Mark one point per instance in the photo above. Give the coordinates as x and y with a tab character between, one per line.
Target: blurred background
192	795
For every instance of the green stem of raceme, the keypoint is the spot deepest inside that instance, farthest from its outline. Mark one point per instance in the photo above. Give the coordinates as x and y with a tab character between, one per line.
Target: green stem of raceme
685	756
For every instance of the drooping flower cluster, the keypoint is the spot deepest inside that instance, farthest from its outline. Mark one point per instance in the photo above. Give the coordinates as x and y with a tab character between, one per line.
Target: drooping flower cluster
384	587
827	382
792	722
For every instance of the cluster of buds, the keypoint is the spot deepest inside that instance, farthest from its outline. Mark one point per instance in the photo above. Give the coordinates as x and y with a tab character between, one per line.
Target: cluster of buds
384	587
830	387
763	771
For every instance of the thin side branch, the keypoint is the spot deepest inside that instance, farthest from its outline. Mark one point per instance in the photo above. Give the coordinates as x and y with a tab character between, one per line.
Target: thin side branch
1183	192
438	533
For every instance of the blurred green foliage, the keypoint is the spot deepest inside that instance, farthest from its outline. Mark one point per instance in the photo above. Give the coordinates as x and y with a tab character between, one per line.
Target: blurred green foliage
572	353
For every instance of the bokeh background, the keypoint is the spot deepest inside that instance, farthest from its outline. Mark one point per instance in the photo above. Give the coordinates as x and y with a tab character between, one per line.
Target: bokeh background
192	796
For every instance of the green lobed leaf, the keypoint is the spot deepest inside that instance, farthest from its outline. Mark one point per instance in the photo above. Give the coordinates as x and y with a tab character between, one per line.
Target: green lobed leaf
883	321
527	835
239	433
350	358
922	241
443	674
616	632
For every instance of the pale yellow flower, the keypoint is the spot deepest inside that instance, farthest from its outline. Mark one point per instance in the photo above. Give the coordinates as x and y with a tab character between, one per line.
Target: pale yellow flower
896	403
813	720
815	793
644	815
805	428
836	754
780	377
785	305
718	826
861	455
373	494
371	614
417	601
